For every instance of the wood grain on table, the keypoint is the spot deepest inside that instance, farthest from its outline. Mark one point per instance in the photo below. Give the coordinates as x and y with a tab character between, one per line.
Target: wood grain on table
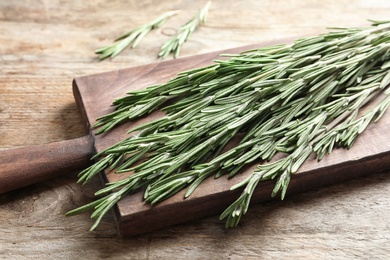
45	44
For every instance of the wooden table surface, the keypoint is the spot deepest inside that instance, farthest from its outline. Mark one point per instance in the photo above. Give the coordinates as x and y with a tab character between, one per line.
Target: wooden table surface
45	44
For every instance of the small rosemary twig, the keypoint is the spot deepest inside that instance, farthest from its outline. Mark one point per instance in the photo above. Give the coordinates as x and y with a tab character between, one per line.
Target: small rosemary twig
175	43
132	37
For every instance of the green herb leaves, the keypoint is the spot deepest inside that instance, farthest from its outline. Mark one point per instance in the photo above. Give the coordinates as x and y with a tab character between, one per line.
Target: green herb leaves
132	38
174	44
296	100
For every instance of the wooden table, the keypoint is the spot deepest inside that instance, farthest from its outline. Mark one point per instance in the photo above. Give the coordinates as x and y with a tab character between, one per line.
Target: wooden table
45	44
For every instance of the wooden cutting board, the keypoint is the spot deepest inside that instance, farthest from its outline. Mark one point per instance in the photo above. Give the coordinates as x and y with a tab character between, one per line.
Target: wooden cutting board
94	95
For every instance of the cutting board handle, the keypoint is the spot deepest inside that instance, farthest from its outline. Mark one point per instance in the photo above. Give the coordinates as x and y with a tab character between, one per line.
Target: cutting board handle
24	166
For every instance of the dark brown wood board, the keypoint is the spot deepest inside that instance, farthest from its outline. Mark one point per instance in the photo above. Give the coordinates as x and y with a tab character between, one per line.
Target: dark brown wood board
95	93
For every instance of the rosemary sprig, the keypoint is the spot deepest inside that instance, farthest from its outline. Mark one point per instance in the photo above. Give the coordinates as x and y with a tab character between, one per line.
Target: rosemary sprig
132	37
175	43
295	99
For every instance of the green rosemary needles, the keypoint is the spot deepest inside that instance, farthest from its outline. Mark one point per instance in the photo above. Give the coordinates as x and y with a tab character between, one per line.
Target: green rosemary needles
295	99
132	38
175	43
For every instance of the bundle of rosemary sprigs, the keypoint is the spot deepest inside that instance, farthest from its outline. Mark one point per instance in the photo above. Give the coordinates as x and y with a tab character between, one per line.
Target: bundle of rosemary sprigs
295	99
